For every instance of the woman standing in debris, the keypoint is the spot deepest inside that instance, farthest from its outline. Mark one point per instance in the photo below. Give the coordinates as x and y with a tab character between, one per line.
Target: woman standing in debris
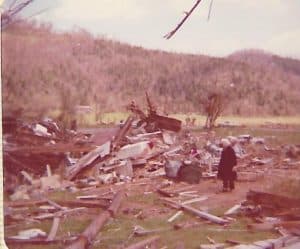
227	162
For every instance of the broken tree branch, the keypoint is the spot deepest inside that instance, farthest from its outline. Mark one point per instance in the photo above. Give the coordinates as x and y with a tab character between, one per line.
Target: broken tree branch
187	14
210	7
93	229
9	15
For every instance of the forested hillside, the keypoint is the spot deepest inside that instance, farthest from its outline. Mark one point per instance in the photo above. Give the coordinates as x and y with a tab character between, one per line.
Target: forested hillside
43	70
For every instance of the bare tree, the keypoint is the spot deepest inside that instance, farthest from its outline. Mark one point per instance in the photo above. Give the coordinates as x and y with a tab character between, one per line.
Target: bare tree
213	106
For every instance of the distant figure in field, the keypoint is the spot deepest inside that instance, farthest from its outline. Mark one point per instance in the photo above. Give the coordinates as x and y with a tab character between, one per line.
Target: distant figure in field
227	162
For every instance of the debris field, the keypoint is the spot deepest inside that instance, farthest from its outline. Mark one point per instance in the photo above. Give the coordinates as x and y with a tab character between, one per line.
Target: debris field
150	167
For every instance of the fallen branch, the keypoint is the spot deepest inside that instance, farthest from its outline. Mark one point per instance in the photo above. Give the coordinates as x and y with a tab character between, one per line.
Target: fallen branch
187	14
93	229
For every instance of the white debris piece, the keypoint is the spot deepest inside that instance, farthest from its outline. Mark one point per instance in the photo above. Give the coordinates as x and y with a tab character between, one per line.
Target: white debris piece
41	130
30	233
50	182
125	169
133	150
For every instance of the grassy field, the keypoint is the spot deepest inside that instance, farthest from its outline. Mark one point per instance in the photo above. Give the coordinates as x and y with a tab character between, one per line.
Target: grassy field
115	117
255	126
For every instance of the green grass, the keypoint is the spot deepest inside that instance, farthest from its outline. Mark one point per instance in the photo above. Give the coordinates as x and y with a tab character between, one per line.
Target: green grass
191	237
118	231
149	199
273	136
243	120
88	120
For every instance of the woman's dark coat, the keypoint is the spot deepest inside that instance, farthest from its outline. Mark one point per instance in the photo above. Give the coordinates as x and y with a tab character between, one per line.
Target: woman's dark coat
227	162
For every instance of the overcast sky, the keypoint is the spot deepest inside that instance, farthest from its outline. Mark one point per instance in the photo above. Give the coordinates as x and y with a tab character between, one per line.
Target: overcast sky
272	25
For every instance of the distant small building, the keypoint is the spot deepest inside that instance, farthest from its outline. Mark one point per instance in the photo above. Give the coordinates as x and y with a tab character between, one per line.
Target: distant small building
83	109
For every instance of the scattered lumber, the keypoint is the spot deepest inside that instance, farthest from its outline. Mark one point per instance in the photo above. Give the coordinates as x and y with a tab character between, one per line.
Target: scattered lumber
93	229
201	214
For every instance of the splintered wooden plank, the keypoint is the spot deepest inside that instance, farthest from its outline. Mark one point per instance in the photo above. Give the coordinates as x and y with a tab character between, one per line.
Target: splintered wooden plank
204	215
87	159
54	229
90	233
201	214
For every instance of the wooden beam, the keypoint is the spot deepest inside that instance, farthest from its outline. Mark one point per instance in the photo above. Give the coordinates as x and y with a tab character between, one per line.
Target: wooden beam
122	132
93	229
54	229
197	212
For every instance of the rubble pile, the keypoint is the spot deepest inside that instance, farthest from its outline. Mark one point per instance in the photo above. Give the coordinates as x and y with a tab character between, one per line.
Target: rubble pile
32	147
42	157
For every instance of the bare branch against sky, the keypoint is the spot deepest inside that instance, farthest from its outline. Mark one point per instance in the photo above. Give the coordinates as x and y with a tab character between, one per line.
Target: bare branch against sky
8	16
270	25
187	14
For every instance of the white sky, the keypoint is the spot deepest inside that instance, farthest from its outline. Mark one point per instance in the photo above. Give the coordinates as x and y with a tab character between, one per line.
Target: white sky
272	25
